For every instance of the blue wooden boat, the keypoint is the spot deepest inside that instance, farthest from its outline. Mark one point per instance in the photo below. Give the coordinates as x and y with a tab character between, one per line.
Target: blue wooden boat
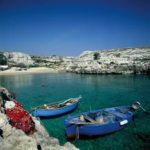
99	122
56	109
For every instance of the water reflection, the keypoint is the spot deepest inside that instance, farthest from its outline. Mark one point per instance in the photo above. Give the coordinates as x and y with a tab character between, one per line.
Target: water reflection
16	81
98	91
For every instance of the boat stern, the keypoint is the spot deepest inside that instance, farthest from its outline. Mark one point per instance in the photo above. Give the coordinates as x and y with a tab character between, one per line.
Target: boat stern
70	129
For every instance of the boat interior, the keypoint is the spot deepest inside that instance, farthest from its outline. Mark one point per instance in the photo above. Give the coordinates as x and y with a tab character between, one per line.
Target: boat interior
105	116
59	104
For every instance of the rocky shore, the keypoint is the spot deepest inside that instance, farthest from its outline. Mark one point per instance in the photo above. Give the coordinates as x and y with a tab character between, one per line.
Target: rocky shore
12	138
114	61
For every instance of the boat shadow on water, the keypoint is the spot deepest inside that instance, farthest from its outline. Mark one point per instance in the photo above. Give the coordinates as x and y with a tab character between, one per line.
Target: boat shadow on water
85	137
145	139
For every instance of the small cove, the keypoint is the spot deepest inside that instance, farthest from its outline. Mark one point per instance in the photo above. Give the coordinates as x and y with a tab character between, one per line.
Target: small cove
98	91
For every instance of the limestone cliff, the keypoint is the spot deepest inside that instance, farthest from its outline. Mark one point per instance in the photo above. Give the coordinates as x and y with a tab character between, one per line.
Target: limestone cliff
18	59
116	61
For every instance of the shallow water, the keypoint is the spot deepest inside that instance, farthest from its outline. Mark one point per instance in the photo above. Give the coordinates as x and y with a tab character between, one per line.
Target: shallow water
98	91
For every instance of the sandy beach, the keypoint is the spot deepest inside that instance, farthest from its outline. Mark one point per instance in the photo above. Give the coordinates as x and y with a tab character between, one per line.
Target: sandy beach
14	71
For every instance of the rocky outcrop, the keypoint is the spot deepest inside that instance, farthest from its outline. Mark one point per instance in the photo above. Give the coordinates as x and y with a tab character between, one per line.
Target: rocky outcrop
18	59
16	139
115	61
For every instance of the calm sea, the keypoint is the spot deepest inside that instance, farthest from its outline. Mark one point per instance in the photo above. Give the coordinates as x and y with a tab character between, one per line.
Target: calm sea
98	91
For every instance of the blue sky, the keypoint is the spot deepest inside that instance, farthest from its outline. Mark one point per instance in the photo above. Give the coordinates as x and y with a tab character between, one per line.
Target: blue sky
68	27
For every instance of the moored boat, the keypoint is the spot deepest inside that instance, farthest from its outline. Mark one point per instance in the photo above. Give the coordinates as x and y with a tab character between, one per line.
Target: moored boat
99	122
56	109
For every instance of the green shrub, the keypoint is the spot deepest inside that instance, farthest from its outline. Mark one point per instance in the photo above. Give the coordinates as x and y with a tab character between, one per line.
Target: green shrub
96	56
3	60
21	65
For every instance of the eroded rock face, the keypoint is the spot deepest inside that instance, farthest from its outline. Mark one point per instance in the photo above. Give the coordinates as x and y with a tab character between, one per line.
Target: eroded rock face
14	139
117	61
18	58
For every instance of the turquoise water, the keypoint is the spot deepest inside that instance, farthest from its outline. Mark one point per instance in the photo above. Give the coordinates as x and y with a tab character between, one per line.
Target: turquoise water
98	91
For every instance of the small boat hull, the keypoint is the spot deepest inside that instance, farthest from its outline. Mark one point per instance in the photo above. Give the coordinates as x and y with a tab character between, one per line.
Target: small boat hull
55	112
74	130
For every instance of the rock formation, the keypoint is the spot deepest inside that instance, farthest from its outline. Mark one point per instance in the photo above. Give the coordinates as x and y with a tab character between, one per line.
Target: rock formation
16	139
115	61
18	59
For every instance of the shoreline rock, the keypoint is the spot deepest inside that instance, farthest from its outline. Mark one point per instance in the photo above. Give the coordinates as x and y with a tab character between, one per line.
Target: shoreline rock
114	61
16	139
